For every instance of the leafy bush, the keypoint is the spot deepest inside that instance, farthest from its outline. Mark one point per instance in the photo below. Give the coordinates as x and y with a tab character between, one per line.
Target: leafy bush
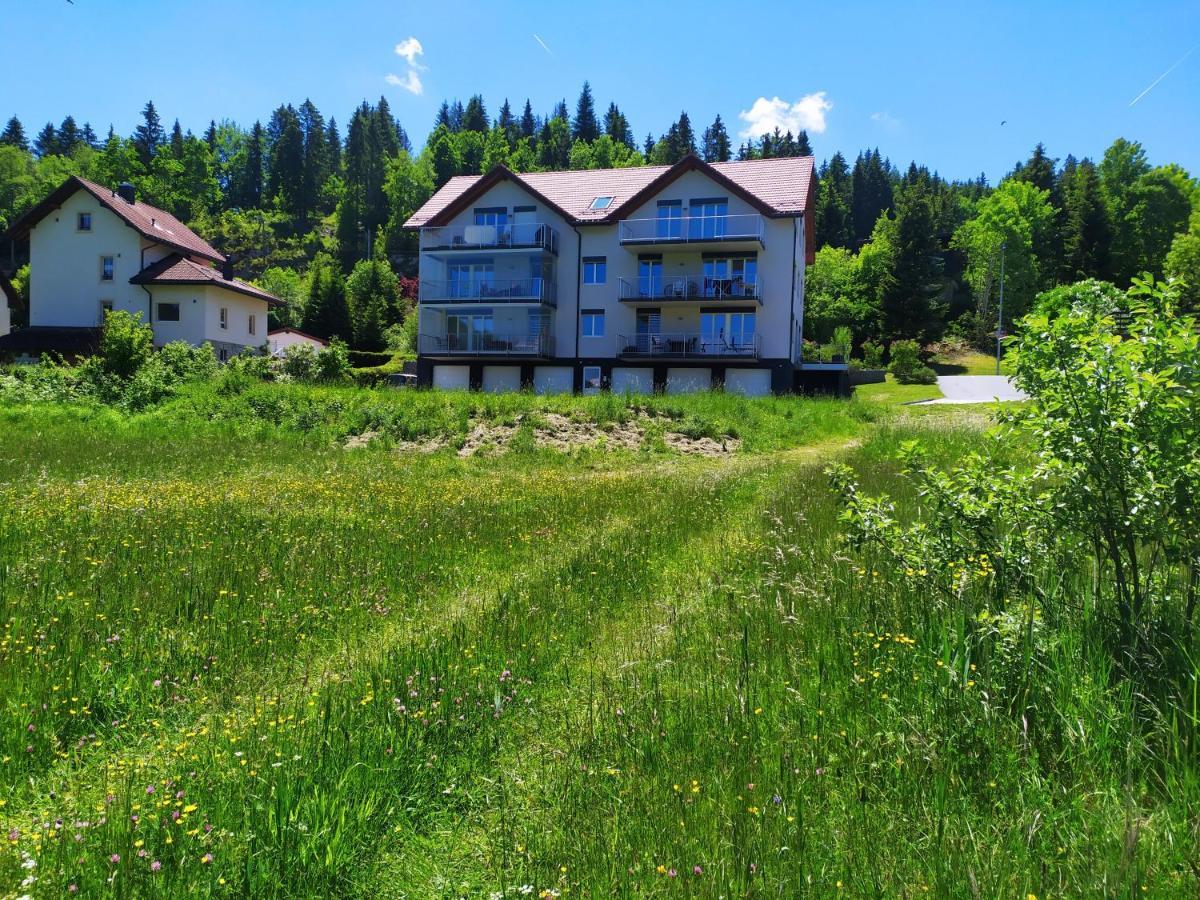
187	362
252	364
872	355
333	362
907	366
299	362
125	343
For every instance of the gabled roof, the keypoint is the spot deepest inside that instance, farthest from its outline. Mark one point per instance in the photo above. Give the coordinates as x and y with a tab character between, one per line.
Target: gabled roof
177	269
298	333
776	187
150	222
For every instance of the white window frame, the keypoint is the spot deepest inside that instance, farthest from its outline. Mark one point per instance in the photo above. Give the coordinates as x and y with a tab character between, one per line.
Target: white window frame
593	265
223	318
602	202
112	261
589	320
106	306
79	222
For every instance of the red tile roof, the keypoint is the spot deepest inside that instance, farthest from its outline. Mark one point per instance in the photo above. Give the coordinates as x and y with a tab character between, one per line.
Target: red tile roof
778	187
176	269
150	222
299	333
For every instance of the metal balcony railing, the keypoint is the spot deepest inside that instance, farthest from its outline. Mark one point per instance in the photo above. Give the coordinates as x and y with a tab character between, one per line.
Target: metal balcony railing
687	345
513	290
487	344
690	287
692	229
510	236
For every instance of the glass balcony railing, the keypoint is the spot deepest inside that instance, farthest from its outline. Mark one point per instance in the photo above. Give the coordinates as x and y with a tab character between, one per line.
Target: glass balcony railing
486	343
696	286
692	229
511	235
477	290
688	345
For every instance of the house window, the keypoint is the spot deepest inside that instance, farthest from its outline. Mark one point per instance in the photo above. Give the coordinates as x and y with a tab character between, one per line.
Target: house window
106	268
594	269
727	332
106	306
730	276
222	354
602	203
250	325
84	222
670	219
592	322
592	381
168	312
474	279
224	318
650	276
708	219
491	216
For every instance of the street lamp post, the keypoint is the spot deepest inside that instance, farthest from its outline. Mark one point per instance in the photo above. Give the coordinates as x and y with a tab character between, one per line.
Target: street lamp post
1000	312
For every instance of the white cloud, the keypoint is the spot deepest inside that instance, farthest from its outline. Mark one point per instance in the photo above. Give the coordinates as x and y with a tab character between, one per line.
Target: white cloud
886	119
409	49
806	114
411	81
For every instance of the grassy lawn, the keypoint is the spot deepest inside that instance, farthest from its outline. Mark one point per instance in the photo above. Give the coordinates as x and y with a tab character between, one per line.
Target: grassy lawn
240	660
969	362
891	392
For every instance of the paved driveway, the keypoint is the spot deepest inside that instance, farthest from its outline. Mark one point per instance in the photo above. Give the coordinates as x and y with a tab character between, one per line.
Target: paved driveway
977	389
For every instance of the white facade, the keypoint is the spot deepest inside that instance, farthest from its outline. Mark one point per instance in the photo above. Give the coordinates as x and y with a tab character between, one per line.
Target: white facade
82	257
279	341
672	307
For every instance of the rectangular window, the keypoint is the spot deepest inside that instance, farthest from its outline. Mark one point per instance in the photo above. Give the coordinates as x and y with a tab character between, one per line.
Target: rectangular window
168	312
471	280
650	276
224	318
730	276
84	222
491	216
106	306
708	219
250	325
594	269
602	203
727	332
592	322
471	331
670	219
592	381
106	268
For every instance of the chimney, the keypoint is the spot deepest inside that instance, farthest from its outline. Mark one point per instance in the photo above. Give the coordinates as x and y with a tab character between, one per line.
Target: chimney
227	269
126	192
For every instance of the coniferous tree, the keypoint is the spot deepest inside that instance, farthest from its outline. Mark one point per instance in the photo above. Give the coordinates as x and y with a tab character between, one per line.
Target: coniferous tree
1086	232
585	127
616	126
685	137
457	114
832	221
528	122
210	135
871	192
148	136
46	142
88	136
648	145
910	309
285	170
68	137
14	135
177	141
507	124
249	179
316	167
475	117
326	314
443	116
560	111
1038	170
803	147
716	142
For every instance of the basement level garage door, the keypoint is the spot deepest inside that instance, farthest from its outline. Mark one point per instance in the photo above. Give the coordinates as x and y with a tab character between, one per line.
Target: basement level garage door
452	377
688	381
633	381
553	380
749	382
501	379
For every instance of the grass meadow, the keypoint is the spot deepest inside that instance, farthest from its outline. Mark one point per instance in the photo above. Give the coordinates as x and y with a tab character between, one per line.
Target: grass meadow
239	660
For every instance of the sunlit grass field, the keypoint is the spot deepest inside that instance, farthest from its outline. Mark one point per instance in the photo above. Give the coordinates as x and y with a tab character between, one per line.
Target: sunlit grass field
239	660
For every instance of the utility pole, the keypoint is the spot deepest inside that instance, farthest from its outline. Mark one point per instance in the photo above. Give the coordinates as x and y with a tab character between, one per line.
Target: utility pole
1000	313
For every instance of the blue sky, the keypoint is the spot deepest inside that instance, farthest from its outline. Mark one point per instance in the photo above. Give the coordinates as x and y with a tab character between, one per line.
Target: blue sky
925	81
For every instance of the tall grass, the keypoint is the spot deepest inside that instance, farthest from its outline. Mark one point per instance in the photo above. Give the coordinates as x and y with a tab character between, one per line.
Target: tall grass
275	668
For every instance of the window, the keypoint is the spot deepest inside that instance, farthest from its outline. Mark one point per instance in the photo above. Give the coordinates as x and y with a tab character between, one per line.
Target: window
168	312
708	219
727	332
222	354
470	331
650	276
594	269
106	268
649	327
491	216
473	279
602	203
592	322
670	219
84	222
106	306
250	325
592	380
224	318
730	276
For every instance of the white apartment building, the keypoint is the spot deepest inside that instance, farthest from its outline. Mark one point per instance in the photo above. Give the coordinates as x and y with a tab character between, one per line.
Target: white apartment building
672	278
94	249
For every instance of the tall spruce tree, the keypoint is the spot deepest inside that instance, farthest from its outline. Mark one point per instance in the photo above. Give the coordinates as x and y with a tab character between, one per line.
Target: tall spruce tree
507	124
333	146
910	308
316	167
148	136
475	117
285	171
68	136
1086	230
177	141
528	122
14	135
716	146
616	126
46	142
833	224
584	127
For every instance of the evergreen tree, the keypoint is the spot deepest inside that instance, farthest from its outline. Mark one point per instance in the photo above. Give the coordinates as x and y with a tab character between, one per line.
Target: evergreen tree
326	314
616	126
1087	233
685	138
88	136
475	117
443	155
871	192
585	127
68	137
333	146
507	124
248	179
528	122
457	114
909	303
1038	171
177	141
371	294
14	135
832	221
285	171
648	146
560	111
803	147
46	142
148	136
443	117
210	135
716	142
316	167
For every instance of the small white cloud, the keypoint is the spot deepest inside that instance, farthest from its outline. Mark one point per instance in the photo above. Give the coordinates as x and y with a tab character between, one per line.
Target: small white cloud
886	119
409	49
411	81
806	114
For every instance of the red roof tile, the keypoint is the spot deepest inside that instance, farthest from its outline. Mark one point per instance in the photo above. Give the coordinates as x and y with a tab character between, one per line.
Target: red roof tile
176	269
780	187
150	222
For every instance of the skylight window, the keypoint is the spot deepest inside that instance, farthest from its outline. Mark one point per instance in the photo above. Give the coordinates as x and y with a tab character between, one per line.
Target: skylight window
602	203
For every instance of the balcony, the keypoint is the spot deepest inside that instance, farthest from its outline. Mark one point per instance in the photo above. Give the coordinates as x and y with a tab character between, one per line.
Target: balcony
491	291
743	231
686	345
486	344
697	286
512	236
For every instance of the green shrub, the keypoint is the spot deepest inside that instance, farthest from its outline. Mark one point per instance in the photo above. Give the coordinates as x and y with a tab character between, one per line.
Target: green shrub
187	362
333	362
907	366
299	362
125	343
872	355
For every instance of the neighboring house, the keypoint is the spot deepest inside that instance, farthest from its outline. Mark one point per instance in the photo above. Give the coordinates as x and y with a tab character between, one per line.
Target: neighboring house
669	278
281	338
92	249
